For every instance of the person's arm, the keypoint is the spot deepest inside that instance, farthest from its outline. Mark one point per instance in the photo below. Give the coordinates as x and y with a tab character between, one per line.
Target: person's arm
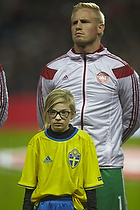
91	199
3	97
45	86
29	175
27	204
129	95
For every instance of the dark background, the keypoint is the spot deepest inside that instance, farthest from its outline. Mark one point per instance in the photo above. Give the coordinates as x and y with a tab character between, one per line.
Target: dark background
34	32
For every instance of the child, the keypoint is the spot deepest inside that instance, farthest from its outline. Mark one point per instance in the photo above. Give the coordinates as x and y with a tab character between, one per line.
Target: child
61	168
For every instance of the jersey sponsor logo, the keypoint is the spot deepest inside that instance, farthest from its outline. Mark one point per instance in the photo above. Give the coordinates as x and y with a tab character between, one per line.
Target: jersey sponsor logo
102	77
47	160
99	178
74	158
65	77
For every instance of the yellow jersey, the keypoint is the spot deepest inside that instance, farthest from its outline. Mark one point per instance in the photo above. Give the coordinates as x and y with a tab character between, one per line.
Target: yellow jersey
61	166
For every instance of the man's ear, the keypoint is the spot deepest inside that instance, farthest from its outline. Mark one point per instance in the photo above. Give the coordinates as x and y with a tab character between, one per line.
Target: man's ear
101	28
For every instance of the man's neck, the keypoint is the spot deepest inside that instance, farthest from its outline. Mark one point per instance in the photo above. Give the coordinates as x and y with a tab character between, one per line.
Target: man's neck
86	49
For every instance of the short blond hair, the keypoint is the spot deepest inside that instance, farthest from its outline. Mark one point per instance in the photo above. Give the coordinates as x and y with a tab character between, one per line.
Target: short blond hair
98	15
54	97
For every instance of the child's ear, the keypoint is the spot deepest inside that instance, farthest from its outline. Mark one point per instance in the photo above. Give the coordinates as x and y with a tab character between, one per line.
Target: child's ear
73	114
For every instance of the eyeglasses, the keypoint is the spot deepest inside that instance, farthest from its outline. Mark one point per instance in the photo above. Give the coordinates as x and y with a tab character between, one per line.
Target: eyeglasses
63	114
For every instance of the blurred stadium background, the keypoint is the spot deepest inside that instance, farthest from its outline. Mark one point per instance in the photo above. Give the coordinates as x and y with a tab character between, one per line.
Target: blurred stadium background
32	33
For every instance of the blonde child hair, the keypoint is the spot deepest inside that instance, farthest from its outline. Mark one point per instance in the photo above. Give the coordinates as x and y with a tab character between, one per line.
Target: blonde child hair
54	97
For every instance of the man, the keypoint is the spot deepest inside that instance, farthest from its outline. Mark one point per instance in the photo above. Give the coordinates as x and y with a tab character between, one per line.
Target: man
106	90
3	97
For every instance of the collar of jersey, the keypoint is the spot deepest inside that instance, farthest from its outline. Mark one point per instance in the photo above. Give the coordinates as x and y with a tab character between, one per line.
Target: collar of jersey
60	139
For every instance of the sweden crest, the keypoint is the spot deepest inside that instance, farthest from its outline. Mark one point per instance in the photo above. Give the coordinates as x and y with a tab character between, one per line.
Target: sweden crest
74	158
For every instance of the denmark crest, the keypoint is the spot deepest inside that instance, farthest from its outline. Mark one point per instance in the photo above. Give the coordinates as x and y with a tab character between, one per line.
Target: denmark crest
102	77
74	158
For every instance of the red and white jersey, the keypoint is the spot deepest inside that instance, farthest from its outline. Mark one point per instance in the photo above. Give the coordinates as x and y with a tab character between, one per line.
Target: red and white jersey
106	91
3	97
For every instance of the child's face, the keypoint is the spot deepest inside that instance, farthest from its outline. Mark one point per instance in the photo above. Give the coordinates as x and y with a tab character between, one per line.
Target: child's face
60	123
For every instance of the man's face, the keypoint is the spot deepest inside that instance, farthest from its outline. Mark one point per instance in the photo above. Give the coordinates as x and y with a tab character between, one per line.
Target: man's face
83	27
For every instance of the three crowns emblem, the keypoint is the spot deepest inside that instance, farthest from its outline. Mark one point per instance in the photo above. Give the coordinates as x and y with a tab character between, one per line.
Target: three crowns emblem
74	158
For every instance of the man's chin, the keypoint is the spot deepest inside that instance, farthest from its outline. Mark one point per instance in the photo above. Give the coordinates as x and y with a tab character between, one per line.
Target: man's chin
80	43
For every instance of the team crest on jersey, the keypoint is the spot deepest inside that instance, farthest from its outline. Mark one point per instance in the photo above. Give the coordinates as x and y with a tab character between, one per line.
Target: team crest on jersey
102	77
74	158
